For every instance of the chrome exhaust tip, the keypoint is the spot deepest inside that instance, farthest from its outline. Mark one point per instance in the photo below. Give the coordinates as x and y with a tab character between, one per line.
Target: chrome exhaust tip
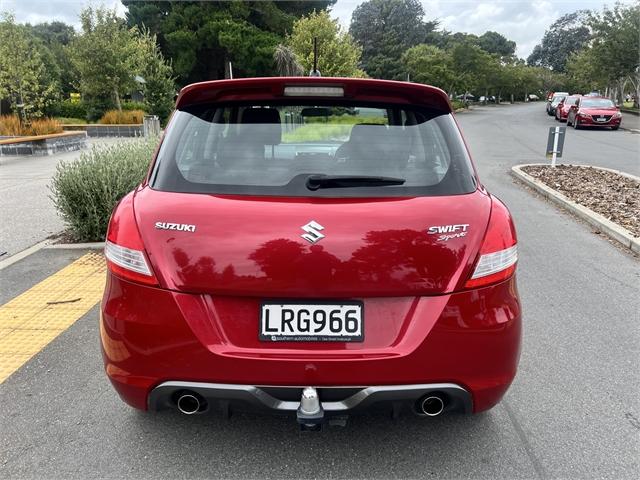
431	406
189	404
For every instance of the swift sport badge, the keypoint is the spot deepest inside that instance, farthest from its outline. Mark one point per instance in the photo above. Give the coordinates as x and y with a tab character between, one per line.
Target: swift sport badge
447	232
181	227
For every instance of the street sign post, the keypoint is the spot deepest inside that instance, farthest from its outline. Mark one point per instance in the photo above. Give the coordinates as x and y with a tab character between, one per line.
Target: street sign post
555	142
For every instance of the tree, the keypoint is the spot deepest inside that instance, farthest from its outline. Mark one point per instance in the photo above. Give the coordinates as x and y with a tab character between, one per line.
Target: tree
23	74
107	57
493	42
386	29
430	65
201	38
287	64
54	37
565	36
616	38
338	54
159	85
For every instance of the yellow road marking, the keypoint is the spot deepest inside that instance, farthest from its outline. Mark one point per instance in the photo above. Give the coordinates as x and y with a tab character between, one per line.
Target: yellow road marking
33	319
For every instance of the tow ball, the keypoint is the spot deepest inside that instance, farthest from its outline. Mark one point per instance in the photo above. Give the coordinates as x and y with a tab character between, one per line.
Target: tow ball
310	414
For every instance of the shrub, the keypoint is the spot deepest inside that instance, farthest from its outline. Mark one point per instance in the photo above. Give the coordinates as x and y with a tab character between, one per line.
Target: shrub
44	126
68	109
86	191
456	104
71	121
117	117
10	126
132	105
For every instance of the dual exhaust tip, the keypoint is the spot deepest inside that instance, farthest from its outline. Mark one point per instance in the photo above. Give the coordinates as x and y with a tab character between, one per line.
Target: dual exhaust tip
190	403
431	406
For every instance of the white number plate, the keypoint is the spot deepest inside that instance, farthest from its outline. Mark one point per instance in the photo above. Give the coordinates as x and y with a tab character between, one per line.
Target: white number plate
601	119
311	322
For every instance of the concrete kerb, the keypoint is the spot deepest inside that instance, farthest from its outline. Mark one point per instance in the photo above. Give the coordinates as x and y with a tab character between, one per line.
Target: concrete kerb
612	230
47	245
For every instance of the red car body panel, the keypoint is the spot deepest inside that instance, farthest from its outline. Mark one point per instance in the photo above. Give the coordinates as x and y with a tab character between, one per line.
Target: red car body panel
252	246
430	339
199	320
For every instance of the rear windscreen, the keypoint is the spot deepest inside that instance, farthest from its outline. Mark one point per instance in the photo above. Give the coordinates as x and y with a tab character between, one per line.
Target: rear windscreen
273	149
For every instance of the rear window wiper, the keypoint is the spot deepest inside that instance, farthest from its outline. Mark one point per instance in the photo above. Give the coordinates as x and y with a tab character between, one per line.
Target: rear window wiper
314	182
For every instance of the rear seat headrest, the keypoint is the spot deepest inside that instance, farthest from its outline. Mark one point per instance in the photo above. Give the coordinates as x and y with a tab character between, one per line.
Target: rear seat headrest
270	130
364	132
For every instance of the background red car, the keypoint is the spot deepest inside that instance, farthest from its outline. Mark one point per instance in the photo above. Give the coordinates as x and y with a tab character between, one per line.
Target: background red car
594	112
312	246
562	110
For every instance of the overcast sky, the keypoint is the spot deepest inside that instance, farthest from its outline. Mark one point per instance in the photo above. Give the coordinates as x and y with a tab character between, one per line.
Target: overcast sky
522	21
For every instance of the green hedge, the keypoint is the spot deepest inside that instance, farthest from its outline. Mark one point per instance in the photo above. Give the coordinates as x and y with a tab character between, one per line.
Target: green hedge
68	109
86	190
131	105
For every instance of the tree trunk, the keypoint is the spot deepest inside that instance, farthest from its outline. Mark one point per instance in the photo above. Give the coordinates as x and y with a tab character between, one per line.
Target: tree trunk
117	98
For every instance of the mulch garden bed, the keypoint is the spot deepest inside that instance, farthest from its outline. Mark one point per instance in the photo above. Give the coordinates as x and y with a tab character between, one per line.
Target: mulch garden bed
613	196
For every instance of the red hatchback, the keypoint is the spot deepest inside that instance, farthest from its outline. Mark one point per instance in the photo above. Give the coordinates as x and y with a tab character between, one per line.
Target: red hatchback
594	112
311	246
562	110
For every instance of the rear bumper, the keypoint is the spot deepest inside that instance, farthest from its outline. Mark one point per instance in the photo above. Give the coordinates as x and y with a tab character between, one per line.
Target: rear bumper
278	400
152	336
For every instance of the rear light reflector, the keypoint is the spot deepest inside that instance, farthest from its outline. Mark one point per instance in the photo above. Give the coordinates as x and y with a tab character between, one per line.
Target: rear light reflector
491	263
311	91
127	258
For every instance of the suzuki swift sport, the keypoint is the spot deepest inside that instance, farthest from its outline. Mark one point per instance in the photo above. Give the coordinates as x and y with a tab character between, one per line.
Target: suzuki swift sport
314	247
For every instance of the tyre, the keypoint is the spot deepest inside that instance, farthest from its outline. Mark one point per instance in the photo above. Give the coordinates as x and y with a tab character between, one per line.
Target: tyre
615	128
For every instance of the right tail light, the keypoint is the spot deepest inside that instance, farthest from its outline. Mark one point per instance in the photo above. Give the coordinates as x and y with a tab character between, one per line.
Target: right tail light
499	251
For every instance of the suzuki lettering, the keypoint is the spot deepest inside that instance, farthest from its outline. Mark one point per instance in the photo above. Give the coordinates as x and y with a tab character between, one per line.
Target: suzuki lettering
181	227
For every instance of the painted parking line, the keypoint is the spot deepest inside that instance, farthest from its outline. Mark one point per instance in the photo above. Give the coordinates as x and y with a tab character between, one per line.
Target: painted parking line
33	319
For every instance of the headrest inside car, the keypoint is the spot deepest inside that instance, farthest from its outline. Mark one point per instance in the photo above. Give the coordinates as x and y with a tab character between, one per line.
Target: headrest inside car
265	125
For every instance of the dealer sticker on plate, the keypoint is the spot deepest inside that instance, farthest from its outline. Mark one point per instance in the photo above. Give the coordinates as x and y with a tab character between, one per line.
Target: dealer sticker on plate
312	322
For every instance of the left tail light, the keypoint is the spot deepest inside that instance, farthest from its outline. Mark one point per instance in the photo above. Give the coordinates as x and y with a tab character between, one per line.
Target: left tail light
124	249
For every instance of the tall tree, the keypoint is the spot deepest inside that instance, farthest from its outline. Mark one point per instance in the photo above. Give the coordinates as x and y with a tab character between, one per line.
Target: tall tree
386	29
201	38
54	37
493	42
159	86
565	36
24	78
615	46
107	57
430	65
338	54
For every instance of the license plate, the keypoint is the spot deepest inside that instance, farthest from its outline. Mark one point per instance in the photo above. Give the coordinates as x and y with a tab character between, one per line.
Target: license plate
311	322
601	119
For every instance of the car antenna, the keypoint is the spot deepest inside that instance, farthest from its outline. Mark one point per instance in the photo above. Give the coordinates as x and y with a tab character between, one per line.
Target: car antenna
314	72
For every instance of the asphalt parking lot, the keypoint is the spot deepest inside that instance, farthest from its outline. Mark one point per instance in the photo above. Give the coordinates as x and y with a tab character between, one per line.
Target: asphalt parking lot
573	411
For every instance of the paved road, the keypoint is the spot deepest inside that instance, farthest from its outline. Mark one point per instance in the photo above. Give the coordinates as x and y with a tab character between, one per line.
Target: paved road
23	189
573	411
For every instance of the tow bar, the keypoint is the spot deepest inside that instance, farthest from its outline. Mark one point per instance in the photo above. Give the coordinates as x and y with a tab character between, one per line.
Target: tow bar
310	414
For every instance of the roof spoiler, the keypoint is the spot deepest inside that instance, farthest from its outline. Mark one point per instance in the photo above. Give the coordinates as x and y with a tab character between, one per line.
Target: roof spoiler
277	88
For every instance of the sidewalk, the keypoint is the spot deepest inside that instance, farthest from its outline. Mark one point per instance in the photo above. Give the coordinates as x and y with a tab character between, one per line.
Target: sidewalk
29	215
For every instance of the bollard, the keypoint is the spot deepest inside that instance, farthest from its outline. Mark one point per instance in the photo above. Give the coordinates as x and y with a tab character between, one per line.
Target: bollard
151	126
